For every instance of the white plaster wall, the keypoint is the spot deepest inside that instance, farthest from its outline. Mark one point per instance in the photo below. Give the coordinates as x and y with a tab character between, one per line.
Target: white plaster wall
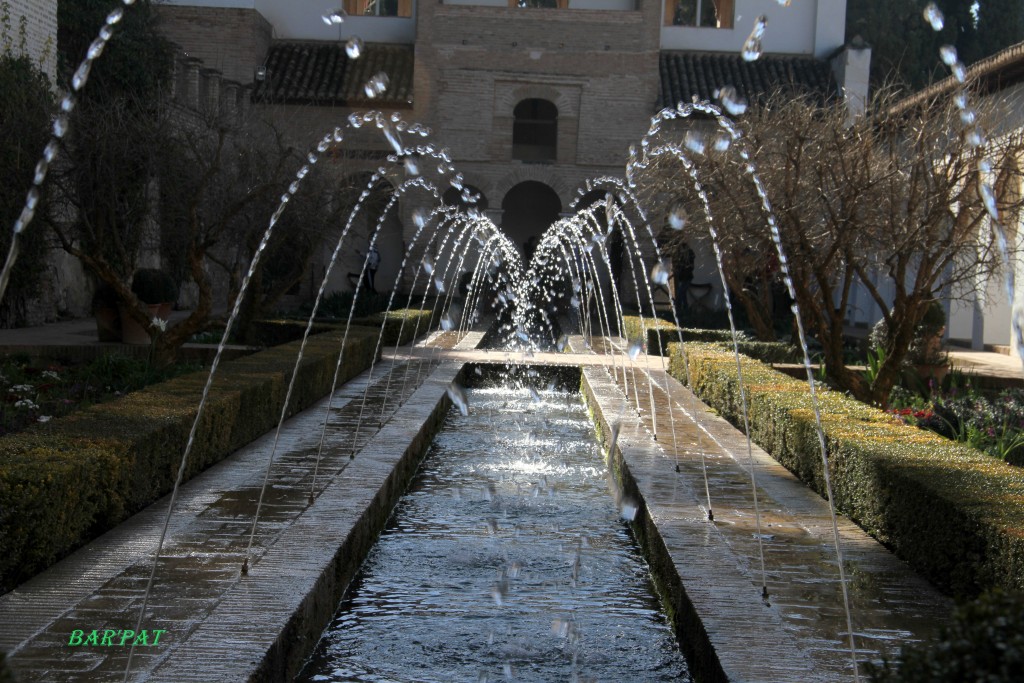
809	27
39	41
307	23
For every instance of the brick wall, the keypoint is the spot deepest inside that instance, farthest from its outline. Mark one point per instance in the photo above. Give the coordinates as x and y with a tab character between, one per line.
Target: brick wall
30	27
232	41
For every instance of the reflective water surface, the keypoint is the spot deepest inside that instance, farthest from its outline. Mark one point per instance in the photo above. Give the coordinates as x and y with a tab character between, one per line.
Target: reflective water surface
507	560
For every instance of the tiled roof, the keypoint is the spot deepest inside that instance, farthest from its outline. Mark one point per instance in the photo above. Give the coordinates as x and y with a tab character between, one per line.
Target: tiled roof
321	73
991	74
685	74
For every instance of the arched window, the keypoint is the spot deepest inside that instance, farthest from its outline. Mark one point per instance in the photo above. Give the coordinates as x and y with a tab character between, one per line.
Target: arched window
535	131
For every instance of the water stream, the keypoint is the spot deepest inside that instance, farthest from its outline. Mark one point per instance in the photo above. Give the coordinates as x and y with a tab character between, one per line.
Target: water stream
507	560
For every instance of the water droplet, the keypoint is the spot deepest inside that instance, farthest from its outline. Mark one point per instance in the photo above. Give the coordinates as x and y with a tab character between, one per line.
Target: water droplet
574	301
635	348
447	324
311	158
975	138
41	168
563	341
355	120
960	99
534	394
354	47
948	55
323	144
428	265
439	283
50	151
968	117
694	142
659	274
722	142
107	32
959	72
334	18
499	591
377	85
677	218
419	218
458	396
731	100
32	198
302	172
412	167
115	16
96	48
628	509
989	198
456	181
60	126
391	135
752	47
933	15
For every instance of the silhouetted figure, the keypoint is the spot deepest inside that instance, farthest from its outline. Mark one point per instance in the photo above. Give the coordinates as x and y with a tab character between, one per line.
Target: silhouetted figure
372	263
682	273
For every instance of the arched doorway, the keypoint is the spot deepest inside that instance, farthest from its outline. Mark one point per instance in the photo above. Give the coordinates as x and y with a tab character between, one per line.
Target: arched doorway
528	209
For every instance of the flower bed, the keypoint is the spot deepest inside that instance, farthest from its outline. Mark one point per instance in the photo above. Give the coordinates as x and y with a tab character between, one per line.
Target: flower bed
38	390
66	482
955	514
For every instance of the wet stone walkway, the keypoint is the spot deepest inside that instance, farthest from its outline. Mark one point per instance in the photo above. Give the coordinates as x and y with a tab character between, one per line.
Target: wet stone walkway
801	633
101	586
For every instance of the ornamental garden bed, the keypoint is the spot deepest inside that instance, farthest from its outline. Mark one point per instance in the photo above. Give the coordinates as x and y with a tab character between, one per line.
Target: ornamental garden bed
67	481
955	514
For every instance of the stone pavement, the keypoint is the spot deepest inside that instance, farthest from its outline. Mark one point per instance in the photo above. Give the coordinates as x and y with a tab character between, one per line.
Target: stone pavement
222	626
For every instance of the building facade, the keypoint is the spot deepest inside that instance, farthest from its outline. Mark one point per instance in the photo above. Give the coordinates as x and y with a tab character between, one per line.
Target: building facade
530	97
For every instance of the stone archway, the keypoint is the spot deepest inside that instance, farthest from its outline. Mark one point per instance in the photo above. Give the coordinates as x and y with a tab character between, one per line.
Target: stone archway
528	209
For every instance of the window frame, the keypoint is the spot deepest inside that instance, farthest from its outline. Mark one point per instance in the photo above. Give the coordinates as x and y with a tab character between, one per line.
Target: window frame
724	14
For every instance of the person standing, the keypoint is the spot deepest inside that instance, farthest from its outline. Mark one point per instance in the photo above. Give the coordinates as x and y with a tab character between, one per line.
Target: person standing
372	263
682	273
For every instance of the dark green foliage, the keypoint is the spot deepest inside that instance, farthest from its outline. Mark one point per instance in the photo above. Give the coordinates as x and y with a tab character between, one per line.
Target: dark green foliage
660	333
154	286
906	49
137	60
953	513
336	306
64	483
26	107
985	643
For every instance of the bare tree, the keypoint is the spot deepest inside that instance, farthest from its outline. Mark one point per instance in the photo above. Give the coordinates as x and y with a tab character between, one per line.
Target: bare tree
890	203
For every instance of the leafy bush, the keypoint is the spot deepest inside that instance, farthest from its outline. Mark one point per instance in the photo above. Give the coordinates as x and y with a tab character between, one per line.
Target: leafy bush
336	305
926	347
951	512
985	642
66	482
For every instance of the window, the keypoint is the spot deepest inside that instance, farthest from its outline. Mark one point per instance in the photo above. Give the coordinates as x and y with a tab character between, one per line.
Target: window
535	131
378	8
549	4
703	13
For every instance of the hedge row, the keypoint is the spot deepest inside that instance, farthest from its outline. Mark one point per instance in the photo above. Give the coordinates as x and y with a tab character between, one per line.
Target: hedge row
661	333
274	332
66	482
955	514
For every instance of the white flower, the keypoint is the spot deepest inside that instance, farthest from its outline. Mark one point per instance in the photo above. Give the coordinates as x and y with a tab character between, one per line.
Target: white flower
22	388
159	323
26	404
45	418
50	374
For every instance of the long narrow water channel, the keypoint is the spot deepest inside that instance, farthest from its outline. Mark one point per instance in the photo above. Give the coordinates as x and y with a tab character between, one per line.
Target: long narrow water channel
507	560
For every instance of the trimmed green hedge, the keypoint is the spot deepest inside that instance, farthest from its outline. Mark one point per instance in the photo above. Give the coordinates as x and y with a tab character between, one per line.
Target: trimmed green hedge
68	481
955	514
661	333
274	332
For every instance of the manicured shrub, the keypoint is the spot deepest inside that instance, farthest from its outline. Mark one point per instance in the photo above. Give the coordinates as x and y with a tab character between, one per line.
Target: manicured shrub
955	514
65	482
985	642
660	333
